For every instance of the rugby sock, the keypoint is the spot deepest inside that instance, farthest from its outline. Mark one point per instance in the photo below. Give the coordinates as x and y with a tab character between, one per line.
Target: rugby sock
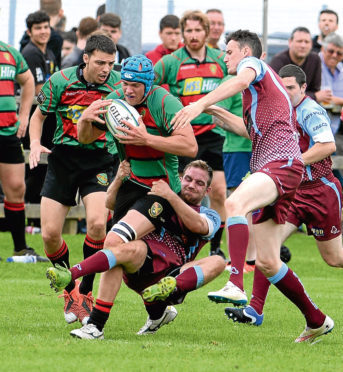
259	291
15	216
215	241
287	282
97	263
238	244
190	279
90	247
156	309
100	313
61	257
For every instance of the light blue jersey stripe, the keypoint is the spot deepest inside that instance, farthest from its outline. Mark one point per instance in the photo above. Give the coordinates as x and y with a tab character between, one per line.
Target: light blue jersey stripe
238	220
334	188
254	100
279	275
112	261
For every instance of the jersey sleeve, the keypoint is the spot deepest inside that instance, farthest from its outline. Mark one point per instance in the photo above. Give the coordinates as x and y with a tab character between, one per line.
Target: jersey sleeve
213	221
253	63
37	66
160	69
316	124
48	98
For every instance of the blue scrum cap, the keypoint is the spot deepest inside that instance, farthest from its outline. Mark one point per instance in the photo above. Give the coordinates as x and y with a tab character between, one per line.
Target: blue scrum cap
138	68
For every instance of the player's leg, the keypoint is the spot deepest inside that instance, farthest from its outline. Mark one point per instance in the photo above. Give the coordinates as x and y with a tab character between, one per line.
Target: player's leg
132	257
255	191
332	251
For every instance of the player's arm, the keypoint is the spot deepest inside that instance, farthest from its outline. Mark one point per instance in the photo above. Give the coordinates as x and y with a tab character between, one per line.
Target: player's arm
27	85
225	90
87	132
112	191
194	221
228	121
35	132
318	152
181	142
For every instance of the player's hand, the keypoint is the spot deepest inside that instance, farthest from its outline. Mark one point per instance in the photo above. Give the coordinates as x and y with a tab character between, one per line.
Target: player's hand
137	136
123	170
162	189
22	127
94	110
35	152
186	115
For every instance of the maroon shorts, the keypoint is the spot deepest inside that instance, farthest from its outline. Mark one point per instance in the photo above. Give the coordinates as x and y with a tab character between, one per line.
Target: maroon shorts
287	176
164	258
318	205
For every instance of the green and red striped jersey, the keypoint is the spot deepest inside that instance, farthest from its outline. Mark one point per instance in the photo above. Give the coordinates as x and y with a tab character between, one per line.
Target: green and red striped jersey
12	63
148	164
190	79
68	94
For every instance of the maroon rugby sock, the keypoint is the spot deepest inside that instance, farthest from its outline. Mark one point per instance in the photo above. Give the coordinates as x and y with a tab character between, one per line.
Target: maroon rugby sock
238	244
259	291
292	288
97	263
190	279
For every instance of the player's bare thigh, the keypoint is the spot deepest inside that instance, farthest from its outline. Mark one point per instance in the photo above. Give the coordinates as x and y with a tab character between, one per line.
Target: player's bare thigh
256	191
12	177
331	251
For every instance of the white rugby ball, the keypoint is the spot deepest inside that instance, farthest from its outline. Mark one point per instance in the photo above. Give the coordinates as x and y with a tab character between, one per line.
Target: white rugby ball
117	111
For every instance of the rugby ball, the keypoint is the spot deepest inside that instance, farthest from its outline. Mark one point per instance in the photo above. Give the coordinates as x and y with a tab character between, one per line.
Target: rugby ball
117	111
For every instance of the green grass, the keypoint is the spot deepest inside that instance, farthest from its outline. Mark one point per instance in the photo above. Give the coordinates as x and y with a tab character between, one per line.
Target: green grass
34	336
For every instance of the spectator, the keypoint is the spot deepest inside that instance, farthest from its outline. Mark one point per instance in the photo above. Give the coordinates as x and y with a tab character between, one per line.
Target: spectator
215	16
332	77
69	42
111	24
53	8
299	53
327	23
86	27
170	35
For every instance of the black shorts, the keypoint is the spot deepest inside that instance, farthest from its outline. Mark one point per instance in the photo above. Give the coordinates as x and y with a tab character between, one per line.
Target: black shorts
210	146
72	169
153	207
11	150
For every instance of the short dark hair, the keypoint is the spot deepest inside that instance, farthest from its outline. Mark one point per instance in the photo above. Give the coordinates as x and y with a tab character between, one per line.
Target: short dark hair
299	29
101	10
213	10
202	165
170	20
69	36
293	71
328	11
51	7
247	38
110	19
100	42
36	18
87	25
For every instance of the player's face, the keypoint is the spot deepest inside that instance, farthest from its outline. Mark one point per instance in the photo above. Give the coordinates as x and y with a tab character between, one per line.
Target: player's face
216	25
194	35
133	92
98	66
171	37
234	54
327	23
40	33
194	185
301	44
113	32
294	90
332	55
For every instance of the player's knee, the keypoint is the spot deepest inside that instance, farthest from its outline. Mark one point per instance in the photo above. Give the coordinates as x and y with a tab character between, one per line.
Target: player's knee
219	264
96	229
232	207
50	236
16	192
266	266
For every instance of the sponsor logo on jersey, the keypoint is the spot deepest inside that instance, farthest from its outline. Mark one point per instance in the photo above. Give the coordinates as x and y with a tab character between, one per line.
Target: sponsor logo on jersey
155	210
317	231
41	97
208	85
321	125
334	230
192	86
7	72
102	179
74	112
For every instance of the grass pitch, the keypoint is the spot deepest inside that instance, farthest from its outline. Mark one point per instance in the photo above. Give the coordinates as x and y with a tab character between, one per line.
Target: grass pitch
35	337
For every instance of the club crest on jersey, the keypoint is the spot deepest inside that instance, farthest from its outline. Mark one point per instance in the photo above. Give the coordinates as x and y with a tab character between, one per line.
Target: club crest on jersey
213	69
155	210
102	179
41	97
7	56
